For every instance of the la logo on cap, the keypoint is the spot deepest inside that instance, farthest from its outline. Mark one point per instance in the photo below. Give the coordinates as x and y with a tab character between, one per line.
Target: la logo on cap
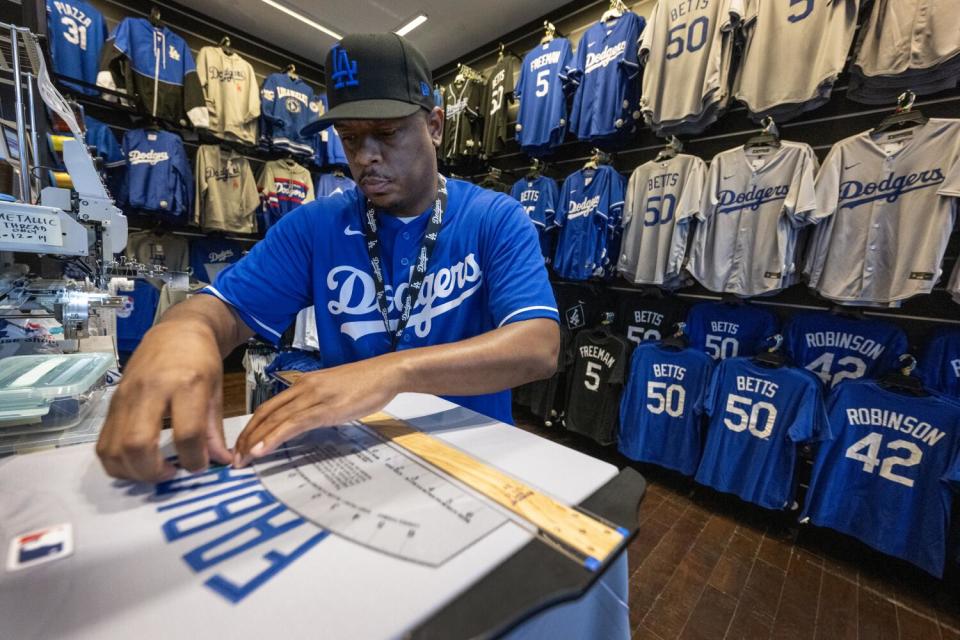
344	69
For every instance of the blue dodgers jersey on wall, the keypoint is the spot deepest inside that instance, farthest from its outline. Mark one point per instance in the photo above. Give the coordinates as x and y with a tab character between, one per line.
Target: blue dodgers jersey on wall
724	330
100	136
539	200
758	415
542	118
838	348
940	362
882	479
76	32
209	256
135	317
154	52
328	184
286	107
662	406
328	144
608	78
158	177
591	205
485	272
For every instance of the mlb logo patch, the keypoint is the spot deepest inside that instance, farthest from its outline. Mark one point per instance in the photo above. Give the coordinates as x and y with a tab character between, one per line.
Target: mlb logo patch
42	545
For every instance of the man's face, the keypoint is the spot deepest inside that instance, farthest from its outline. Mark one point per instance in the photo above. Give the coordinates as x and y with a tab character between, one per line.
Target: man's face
394	161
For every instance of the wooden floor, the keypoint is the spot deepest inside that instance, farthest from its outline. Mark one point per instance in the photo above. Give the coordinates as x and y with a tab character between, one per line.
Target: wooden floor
708	566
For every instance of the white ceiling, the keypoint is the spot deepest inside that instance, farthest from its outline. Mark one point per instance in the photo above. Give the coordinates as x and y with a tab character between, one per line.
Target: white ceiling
455	27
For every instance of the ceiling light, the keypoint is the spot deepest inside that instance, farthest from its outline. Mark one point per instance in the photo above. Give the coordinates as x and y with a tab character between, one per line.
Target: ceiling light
410	26
303	19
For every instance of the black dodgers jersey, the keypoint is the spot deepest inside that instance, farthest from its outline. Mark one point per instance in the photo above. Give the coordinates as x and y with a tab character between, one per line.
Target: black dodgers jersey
581	306
495	106
641	318
599	372
462	123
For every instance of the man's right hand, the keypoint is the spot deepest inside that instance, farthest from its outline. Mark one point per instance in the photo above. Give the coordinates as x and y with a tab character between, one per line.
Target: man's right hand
178	371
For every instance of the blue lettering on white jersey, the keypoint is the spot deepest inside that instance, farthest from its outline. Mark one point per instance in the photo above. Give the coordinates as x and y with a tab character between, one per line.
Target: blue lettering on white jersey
940	362
539	200
726	330
591	206
542	119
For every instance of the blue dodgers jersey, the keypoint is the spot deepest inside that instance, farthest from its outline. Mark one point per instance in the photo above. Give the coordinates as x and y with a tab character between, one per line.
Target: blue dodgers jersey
591	204
328	184
135	317
329	146
485	272
76	32
940	362
542	118
209	256
662	406
758	415
539	199
100	136
154	52
608	77
882	479
158	177
286	107
838	348
724	330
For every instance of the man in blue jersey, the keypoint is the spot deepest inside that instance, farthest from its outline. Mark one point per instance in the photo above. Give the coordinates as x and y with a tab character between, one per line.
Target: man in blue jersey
420	284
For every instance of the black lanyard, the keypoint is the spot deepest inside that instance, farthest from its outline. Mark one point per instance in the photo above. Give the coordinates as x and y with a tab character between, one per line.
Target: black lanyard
412	291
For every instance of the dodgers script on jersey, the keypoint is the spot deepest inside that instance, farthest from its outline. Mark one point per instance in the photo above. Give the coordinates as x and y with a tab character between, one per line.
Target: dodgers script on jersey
778	34
662	406
729	330
485	272
542	119
940	362
758	415
463	119
539	196
211	255
643	318
591	205
662	200
158	177
76	32
596	381
607	75
882	479
688	47
754	203
283	185
893	204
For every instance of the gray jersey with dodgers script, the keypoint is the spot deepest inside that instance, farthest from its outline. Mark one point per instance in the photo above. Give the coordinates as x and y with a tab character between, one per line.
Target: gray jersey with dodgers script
754	204
662	200
893	204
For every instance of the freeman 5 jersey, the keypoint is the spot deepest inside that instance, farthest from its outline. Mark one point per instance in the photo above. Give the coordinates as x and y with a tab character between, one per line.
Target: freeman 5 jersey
662	406
940	362
539	199
838	348
591	204
607	75
542	118
662	200
883	479
158	177
758	415
76	32
287	105
596	381
724	330
893	203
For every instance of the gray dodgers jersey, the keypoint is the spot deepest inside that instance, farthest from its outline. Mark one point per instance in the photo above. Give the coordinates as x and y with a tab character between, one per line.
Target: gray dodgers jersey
778	35
148	247
687	46
226	196
891	213
901	35
661	202
752	211
231	93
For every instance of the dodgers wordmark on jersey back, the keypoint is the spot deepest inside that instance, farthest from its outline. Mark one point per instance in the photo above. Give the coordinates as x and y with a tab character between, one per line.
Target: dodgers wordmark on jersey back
724	330
892	204
542	119
661	201
590	207
754	203
779	33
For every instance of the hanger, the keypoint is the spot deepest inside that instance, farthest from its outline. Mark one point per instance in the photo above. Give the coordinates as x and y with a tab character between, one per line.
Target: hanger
679	340
769	135
536	169
651	292
732	300
772	357
674	146
598	158
500	52
338	173
467	73
550	31
155	17
606	323
903	118
225	45
291	71
616	10
847	312
152	123
900	380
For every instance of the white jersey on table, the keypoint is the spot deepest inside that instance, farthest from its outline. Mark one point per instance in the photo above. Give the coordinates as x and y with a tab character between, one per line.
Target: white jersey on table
753	206
662	200
687	46
777	35
892	206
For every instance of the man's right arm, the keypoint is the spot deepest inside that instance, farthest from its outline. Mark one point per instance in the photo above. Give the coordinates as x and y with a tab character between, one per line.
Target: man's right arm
178	371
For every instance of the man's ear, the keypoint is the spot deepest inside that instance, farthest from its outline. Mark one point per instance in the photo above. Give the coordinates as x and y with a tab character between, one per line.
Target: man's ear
435	125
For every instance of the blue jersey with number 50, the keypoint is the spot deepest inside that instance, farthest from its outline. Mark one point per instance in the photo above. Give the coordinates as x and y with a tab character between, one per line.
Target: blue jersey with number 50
724	330
883	479
542	121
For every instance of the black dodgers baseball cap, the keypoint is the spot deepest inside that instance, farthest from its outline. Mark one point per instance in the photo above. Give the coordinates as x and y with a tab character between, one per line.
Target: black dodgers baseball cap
374	76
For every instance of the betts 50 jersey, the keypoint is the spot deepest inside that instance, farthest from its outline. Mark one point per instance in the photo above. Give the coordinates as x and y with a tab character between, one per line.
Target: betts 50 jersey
662	406
591	204
839	348
940	362
724	330
758	415
542	119
539	199
608	78
485	272
882	479
642	318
